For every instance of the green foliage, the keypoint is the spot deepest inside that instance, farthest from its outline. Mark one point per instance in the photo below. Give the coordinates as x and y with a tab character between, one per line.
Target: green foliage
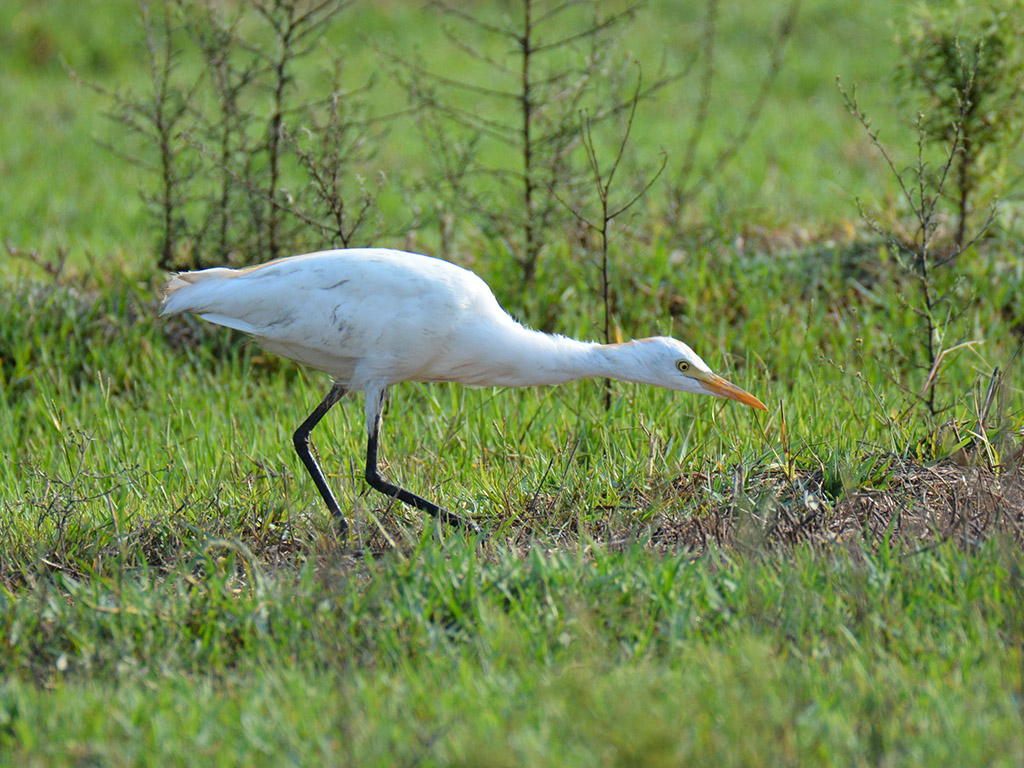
962	68
962	71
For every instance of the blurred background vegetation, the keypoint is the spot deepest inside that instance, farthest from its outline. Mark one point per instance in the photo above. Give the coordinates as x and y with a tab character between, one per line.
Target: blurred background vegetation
796	176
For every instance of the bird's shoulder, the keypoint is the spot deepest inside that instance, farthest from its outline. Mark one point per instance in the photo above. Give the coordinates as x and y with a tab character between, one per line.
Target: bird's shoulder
371	271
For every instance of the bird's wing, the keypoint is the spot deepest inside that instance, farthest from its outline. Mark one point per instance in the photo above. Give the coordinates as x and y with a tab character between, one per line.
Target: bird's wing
335	310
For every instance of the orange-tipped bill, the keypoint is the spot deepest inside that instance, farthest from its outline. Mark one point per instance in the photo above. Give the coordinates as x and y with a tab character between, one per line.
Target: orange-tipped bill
719	386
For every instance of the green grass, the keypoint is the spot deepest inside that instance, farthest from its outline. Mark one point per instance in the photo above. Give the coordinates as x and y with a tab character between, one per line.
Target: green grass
172	590
454	656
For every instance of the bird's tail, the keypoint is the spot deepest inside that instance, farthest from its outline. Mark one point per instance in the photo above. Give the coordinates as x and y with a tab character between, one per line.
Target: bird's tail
179	292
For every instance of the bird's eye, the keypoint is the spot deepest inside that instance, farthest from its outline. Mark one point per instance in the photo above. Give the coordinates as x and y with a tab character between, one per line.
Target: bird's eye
682	365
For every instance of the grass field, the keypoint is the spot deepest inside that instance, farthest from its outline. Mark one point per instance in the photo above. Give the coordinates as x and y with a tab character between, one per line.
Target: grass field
675	580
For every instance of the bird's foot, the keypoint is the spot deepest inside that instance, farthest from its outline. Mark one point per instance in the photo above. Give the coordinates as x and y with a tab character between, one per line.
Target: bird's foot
456	521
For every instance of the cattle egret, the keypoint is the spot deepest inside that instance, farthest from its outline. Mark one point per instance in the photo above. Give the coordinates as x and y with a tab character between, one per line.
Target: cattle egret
372	317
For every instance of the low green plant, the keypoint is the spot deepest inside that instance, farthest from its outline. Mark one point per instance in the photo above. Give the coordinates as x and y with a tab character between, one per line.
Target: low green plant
961	67
961	72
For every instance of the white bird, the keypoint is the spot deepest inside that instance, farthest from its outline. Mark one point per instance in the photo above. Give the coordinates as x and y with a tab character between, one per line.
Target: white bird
372	317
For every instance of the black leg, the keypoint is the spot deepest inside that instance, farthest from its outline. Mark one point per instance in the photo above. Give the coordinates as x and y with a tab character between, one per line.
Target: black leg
380	484
301	440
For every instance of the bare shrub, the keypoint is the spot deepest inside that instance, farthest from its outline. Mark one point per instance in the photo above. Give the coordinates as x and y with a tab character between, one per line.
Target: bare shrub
245	156
510	132
608	202
962	70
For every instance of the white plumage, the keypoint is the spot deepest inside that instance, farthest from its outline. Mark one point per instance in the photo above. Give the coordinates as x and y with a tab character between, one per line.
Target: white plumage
373	317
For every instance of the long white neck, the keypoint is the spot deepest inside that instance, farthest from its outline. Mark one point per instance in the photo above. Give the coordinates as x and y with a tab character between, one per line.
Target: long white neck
526	358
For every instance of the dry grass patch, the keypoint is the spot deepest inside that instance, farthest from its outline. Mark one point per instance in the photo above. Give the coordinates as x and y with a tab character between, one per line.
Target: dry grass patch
916	505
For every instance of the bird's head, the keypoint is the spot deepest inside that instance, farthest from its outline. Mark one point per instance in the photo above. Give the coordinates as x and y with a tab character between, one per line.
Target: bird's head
666	362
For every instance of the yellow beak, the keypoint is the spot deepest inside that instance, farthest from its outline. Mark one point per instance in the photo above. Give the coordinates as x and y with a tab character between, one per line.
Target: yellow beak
722	388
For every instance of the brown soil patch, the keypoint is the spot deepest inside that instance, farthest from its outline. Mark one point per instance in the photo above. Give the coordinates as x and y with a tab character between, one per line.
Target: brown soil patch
919	504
